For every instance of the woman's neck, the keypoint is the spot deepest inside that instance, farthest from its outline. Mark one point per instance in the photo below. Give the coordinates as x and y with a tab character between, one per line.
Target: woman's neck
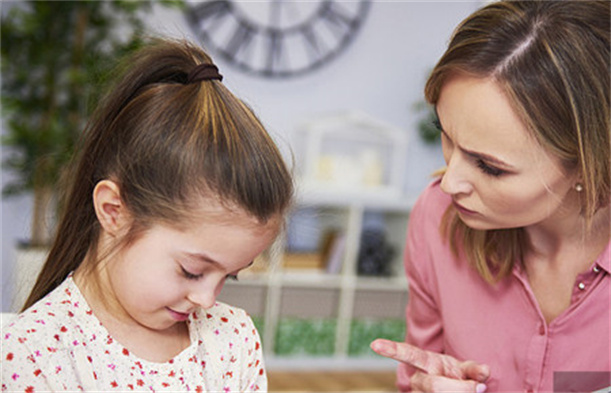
560	251
569	235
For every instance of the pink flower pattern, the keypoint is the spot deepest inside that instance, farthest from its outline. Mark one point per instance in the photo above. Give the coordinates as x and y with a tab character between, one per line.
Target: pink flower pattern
41	348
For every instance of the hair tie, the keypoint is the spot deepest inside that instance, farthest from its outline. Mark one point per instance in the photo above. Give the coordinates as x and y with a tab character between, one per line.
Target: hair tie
204	72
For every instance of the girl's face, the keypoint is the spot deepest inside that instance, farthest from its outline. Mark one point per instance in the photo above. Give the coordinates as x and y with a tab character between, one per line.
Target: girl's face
167	273
497	174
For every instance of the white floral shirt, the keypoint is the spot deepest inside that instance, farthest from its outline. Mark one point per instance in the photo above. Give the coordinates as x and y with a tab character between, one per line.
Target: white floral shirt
59	345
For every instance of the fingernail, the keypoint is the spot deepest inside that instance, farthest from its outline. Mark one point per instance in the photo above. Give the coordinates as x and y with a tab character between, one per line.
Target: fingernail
382	348
480	388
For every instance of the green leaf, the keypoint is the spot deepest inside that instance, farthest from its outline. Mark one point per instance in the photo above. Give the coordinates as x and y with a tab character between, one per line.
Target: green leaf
55	55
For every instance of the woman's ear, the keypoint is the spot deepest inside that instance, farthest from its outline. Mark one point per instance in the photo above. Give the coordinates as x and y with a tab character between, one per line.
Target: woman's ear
109	208
578	181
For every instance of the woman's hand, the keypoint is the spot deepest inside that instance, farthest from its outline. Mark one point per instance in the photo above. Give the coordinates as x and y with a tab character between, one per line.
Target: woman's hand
436	372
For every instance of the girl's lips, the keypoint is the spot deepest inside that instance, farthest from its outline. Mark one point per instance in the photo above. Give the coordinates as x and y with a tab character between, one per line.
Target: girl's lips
178	316
462	209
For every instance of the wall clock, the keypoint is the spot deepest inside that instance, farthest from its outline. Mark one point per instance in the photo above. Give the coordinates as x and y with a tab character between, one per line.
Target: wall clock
277	38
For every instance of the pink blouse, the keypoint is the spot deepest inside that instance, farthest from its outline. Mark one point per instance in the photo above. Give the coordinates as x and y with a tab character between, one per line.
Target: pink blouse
452	310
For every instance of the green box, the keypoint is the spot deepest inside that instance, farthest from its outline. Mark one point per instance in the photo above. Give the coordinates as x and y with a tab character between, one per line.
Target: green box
309	337
364	331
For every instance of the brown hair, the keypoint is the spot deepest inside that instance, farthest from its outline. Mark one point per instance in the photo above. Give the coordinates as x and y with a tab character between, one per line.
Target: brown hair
552	60
165	141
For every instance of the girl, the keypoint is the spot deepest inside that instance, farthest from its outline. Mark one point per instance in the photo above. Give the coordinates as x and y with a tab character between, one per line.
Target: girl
508	253
178	187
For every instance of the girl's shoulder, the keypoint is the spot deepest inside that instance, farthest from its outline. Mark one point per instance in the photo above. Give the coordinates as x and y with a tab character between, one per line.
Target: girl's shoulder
223	320
49	322
221	314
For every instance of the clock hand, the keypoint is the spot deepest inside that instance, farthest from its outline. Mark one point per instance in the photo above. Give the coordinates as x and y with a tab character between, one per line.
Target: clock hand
274	14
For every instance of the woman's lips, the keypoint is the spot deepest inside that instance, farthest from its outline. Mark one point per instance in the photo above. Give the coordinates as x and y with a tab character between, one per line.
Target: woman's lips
178	316
463	209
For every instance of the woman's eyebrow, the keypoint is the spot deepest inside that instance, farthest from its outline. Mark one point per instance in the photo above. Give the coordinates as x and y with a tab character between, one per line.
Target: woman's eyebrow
488	158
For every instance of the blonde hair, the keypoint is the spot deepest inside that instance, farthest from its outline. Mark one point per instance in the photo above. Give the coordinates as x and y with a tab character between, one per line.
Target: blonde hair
552	60
166	142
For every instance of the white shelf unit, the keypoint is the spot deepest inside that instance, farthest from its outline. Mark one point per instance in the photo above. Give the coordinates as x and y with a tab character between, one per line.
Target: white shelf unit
349	169
267	295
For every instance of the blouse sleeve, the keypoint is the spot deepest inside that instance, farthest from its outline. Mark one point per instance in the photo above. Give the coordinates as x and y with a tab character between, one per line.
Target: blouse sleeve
22	368
423	322
254	377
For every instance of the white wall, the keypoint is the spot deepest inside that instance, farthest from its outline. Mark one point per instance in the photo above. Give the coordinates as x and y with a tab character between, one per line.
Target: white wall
382	74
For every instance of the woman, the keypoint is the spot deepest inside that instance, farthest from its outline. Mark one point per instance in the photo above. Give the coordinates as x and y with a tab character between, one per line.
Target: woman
508	251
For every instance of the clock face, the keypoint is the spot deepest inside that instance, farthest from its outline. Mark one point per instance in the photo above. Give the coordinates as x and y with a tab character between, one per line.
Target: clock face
277	38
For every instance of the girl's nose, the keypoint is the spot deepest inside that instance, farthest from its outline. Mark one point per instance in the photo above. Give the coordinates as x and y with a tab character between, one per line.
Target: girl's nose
203	296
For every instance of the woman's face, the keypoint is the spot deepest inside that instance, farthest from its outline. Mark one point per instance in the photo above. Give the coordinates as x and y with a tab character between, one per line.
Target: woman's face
497	174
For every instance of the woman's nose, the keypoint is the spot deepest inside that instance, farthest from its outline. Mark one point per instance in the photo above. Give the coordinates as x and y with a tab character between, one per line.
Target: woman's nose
456	178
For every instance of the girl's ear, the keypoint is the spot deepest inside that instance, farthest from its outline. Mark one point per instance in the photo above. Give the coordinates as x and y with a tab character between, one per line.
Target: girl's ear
109	208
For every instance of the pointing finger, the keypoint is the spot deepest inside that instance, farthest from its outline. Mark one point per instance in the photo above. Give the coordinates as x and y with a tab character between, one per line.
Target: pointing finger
403	352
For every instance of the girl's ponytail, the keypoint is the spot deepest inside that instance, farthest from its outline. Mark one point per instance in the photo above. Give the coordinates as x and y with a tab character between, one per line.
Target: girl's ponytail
167	133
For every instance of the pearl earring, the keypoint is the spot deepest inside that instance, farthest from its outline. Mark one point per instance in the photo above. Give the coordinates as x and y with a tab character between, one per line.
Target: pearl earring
578	187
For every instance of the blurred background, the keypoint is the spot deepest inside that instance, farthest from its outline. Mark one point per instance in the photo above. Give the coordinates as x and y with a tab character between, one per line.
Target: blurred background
338	85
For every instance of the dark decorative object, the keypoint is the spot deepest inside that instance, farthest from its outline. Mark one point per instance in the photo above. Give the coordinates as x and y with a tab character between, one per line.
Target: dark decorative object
277	38
375	253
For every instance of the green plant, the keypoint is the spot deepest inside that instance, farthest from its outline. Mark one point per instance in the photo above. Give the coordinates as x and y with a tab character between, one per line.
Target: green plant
55	55
427	129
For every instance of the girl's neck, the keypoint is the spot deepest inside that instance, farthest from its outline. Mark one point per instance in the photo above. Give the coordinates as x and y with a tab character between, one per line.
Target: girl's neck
148	344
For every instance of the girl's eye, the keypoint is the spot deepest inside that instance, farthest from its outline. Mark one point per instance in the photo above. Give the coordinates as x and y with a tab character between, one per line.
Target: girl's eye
489	170
190	275
437	124
233	277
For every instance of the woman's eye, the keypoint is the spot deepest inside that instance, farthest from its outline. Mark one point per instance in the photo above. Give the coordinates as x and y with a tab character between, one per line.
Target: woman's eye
189	275
437	124
489	170
233	277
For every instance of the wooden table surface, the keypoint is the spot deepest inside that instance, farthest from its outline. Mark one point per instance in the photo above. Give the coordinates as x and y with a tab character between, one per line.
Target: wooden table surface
331	381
